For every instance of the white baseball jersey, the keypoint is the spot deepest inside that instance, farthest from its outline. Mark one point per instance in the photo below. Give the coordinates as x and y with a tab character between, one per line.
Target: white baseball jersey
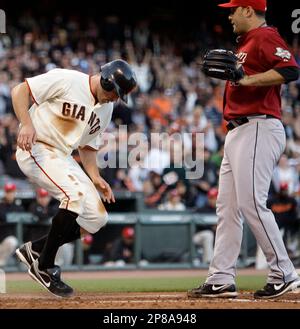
65	115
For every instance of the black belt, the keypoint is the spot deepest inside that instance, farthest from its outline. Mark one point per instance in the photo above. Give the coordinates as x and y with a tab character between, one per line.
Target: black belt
240	121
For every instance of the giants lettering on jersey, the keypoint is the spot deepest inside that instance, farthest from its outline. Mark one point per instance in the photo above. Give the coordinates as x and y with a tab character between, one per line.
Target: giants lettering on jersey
73	111
76	112
94	123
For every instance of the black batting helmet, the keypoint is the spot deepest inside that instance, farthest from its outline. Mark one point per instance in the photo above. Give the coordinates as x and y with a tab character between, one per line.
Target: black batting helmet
119	76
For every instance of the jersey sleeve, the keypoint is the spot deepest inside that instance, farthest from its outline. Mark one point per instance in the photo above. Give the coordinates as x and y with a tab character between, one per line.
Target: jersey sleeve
47	86
95	143
100	139
274	52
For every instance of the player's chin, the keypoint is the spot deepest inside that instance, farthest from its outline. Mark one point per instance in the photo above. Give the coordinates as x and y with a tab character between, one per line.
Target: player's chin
234	28
237	31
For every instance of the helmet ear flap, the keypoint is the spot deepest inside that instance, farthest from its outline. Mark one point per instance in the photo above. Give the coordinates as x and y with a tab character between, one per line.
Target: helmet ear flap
107	84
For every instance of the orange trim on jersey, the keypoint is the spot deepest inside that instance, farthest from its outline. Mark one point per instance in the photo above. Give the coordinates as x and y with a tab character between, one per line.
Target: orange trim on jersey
88	147
51	179
90	84
31	94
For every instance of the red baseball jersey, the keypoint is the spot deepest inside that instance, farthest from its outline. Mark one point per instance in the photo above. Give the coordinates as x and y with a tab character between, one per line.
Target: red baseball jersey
259	50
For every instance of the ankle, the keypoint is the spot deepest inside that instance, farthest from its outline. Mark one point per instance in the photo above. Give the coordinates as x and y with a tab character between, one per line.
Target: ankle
45	265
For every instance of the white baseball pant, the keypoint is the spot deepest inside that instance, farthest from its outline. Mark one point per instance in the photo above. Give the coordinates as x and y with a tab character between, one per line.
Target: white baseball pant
250	155
64	179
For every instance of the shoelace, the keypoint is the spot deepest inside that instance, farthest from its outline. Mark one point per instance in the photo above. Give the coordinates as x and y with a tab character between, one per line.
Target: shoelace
57	281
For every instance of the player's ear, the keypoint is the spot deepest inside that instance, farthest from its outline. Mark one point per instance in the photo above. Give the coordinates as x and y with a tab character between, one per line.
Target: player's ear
248	11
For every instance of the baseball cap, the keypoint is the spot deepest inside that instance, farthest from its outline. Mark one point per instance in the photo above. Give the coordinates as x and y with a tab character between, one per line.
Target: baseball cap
10	187
128	232
284	186
42	193
260	5
87	239
212	193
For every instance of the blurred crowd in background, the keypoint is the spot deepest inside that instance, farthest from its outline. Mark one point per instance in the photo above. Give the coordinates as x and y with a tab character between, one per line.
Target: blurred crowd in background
173	97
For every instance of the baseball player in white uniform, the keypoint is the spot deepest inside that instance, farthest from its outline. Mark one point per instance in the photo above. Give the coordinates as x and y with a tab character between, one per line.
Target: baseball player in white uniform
70	111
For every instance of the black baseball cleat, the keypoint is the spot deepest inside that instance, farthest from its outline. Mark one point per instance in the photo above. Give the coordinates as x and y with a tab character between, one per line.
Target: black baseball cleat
50	280
26	254
273	290
214	291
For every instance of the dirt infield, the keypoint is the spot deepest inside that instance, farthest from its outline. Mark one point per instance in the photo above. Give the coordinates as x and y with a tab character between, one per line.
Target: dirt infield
137	300
142	301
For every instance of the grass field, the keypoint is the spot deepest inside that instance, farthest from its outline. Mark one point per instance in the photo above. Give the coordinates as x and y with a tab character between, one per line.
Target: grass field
169	284
158	289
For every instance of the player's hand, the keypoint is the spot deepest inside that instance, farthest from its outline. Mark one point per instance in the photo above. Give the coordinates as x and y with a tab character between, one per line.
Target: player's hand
106	191
245	81
26	137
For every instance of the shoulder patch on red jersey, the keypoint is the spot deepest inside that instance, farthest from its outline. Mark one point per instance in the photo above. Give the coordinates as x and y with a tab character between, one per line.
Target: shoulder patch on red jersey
283	53
242	57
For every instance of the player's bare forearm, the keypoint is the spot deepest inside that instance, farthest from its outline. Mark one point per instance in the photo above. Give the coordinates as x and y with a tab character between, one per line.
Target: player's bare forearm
20	99
268	78
88	159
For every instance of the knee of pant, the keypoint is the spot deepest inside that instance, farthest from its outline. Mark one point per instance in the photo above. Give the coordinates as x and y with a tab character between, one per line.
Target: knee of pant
197	238
93	224
101	221
101	216
208	235
203	236
10	243
247	202
242	208
247	205
76	200
221	202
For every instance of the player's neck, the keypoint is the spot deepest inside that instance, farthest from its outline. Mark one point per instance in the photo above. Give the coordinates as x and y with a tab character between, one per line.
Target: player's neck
94	84
256	24
260	23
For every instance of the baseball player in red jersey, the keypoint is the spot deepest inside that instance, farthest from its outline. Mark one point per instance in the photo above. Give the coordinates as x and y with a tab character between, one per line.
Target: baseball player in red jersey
253	145
70	111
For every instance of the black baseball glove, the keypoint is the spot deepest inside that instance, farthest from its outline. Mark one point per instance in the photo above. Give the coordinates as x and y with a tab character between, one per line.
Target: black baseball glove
222	64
